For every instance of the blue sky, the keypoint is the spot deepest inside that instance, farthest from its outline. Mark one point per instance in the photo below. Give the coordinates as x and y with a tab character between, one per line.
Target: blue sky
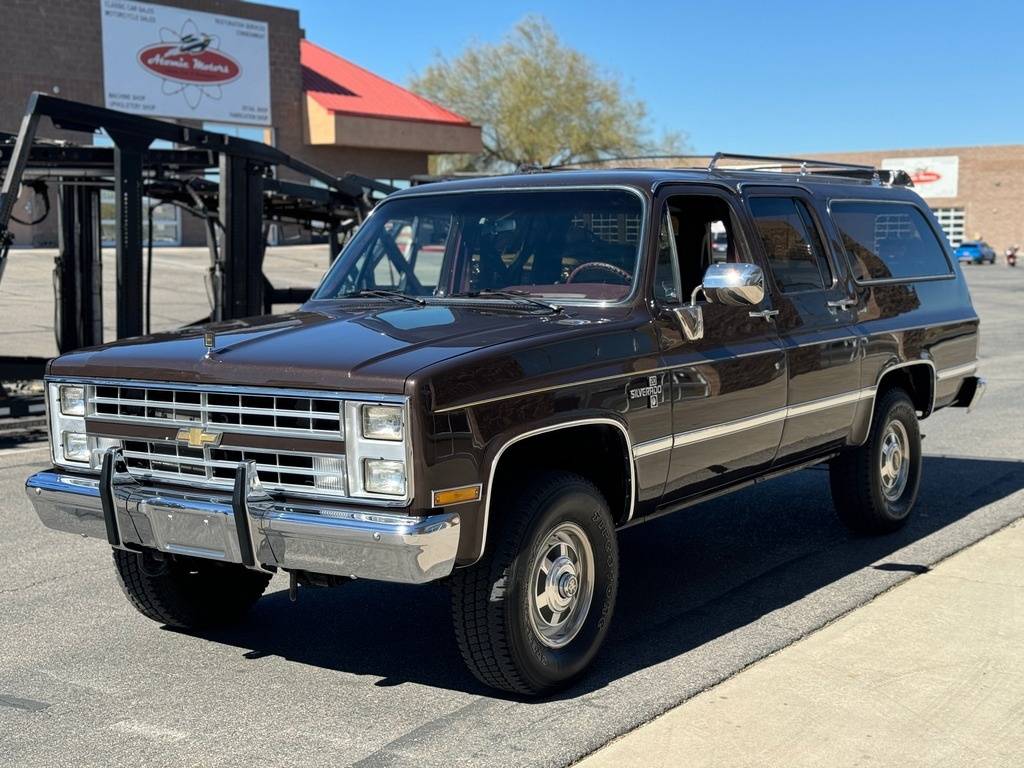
757	77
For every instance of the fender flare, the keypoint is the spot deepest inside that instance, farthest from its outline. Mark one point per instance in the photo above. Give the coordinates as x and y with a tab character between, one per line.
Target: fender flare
593	420
885	371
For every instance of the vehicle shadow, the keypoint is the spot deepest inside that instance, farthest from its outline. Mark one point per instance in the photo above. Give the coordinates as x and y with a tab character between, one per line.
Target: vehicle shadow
686	579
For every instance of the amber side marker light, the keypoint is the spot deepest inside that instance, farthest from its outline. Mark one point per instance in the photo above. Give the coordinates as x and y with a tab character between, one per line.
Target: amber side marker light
461	495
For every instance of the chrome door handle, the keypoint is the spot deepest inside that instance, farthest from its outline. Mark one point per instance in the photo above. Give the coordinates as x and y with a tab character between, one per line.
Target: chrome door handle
767	314
842	303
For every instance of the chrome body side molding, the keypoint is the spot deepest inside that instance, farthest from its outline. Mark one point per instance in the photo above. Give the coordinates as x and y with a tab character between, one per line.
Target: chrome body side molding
960	371
732	427
652	446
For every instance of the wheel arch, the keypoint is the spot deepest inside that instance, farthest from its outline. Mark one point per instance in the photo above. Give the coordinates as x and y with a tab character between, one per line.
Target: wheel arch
917	377
514	446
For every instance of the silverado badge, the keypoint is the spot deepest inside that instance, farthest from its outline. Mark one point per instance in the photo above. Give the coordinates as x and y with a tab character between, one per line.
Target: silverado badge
197	437
647	390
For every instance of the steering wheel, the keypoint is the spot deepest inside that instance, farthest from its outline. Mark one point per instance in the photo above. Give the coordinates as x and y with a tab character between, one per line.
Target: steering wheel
617	271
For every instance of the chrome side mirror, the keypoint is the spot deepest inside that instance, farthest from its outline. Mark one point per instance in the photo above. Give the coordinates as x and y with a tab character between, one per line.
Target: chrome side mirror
738	285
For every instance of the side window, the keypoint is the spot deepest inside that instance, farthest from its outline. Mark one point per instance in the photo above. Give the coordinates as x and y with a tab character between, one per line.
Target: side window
886	240
791	242
666	273
695	232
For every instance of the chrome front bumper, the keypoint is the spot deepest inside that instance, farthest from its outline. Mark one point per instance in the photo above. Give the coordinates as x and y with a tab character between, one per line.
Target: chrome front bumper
247	527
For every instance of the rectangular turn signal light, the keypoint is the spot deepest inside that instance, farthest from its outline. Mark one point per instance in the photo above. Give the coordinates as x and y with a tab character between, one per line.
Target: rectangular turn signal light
451	496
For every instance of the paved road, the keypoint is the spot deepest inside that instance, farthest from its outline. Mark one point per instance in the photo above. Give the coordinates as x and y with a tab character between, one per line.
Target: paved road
369	674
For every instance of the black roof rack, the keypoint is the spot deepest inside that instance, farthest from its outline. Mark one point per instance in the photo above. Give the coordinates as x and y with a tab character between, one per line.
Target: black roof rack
772	162
765	163
809	166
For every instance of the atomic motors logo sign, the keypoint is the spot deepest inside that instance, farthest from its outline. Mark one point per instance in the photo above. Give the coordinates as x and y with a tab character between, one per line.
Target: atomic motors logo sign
190	62
934	176
925	176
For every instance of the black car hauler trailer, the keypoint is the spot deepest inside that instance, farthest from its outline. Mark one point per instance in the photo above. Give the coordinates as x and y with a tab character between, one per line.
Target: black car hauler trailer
237	205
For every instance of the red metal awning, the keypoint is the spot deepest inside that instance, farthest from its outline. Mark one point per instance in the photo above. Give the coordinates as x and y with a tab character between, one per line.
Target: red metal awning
340	86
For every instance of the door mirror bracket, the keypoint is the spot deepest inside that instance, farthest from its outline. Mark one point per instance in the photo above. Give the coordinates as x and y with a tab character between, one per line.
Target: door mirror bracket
691	320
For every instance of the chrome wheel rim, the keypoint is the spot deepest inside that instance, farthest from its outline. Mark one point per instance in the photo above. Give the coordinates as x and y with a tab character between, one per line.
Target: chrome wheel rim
561	585
894	460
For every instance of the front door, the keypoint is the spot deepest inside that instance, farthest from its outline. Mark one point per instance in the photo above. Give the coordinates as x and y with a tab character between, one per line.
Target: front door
727	388
817	311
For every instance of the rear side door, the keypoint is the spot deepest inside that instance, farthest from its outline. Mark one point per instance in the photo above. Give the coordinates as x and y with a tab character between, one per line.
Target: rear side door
817	312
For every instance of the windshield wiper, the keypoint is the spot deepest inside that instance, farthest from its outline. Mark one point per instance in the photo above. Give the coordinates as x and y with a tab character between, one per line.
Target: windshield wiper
381	293
512	295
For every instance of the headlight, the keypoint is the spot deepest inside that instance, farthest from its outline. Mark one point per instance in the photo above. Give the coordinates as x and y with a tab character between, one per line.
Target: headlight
377	451
72	400
383	422
75	446
384	476
70	446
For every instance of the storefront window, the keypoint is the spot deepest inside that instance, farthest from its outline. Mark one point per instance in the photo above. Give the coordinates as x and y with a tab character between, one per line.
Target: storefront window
253	133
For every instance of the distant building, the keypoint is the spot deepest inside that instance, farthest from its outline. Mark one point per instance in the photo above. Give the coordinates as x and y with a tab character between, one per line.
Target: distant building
231	66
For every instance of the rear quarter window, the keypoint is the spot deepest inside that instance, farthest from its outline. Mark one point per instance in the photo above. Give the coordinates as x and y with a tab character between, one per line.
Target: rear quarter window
888	240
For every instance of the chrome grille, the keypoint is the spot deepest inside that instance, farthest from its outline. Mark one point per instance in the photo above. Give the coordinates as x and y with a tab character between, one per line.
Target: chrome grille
276	414
319	474
270	414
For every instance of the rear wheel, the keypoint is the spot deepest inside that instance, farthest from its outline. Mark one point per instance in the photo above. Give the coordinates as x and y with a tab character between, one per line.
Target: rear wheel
188	592
531	615
875	485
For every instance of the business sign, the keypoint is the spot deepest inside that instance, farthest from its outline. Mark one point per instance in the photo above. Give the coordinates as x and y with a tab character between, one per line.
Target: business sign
174	62
932	176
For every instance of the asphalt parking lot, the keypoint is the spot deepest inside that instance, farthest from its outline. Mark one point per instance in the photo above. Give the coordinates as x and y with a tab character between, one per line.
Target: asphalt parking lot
369	674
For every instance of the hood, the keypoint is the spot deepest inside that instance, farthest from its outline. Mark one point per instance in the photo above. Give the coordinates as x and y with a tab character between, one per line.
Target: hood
358	349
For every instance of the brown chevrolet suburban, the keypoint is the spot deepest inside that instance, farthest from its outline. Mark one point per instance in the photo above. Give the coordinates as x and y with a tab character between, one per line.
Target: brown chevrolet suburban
498	374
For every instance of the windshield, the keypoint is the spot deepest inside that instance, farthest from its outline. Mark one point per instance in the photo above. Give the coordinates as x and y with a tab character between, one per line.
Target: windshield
574	245
969	247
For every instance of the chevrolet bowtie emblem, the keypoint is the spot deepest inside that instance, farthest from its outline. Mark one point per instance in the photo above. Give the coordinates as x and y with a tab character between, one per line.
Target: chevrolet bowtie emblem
197	437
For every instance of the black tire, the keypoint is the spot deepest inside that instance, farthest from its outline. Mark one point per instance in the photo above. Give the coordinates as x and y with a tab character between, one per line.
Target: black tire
491	601
862	500
188	592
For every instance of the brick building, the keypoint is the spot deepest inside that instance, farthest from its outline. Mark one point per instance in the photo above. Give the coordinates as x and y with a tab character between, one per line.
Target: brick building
323	109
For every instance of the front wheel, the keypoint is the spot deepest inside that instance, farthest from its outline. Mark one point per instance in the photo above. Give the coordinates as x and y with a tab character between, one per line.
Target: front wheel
188	592
531	615
875	485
